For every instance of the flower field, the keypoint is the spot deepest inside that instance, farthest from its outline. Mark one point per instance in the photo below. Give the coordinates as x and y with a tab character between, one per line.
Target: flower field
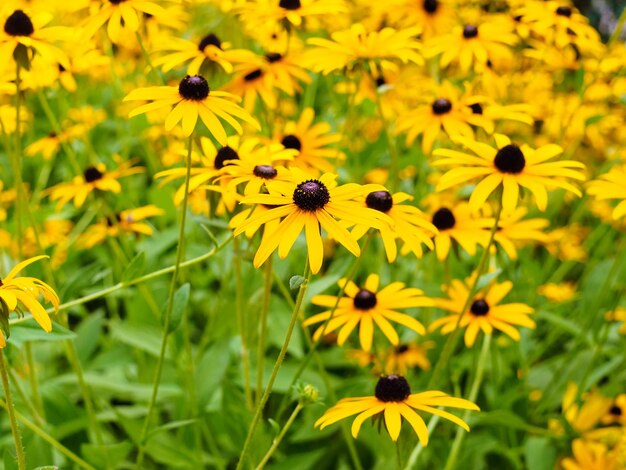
313	234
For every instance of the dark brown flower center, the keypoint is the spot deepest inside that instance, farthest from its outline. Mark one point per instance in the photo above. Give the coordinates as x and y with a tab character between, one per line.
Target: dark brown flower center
210	40
365	300
476	108
441	106
19	24
291	142
510	159
194	88
223	155
252	76
290	4
564	11
430	6
272	57
379	200
470	31
92	174
443	219
267	172
479	308
402	348
311	195
615	410
392	388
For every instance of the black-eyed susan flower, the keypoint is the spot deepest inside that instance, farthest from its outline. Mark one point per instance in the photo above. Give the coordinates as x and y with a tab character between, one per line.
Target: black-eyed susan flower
190	100
474	44
558	293
513	230
590	455
447	111
366	307
49	145
410	225
200	54
30	31
582	415
93	178
435	17
509	166
484	312
22	294
257	164
131	221
306	203
394	399
406	356
375	50
617	412
288	12
313	143
455	221
251	82
119	15
611	186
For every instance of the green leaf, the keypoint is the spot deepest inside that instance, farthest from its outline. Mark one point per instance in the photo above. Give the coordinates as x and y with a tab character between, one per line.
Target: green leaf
181	299
135	268
143	337
540	453
295	282
275	426
110	454
485	279
21	54
29	330
169	426
210	234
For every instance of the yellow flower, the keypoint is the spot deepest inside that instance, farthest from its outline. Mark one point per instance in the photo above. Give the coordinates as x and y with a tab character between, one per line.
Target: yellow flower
376	50
193	98
619	314
311	141
93	178
584	418
368	306
410	225
257	13
611	186
308	204
128	221
29	31
25	291
512	231
483	313
401	358
509	166
589	455
558	293
394	399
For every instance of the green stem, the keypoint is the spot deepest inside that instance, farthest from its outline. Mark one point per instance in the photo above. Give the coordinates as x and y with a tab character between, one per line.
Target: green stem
619	27
398	455
419	447
34	383
280	436
393	151
168	313
281	356
15	430
49	439
452	340
17	161
478	378
260	353
146	57
241	322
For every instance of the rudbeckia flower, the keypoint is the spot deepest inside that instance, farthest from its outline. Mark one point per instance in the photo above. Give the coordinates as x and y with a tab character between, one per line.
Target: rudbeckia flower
210	49
435	17
447	111
455	221
611	186
311	141
474	44
193	98
93	178
509	166
410	224
367	306
377	50
289	12
513	230
588	455
405	356
558	293
128	221
483	313
310	204
121	15
25	291
30	32
394	399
